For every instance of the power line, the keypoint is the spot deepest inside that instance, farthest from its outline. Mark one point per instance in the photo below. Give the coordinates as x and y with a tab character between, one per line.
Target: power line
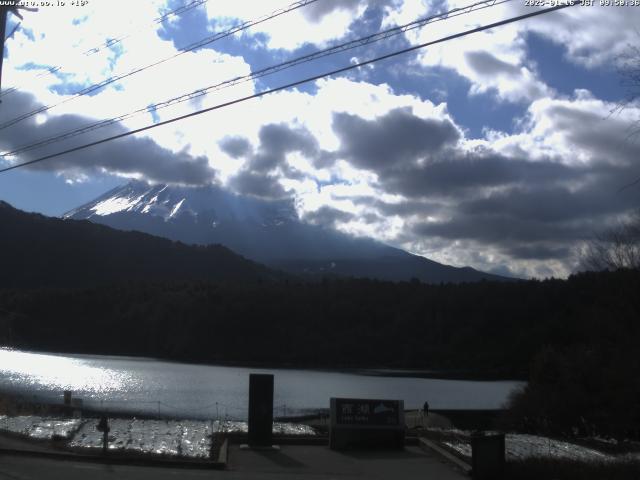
176	12
182	51
294	84
367	40
5	9
621	189
109	43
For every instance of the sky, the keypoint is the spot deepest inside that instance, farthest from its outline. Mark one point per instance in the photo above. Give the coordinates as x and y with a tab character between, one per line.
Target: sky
504	150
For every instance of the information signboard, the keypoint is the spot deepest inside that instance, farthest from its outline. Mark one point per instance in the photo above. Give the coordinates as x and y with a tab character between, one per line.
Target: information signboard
365	422
360	411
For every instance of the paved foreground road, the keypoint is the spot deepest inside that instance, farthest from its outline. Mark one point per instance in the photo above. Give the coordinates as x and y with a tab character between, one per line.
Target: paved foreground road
292	461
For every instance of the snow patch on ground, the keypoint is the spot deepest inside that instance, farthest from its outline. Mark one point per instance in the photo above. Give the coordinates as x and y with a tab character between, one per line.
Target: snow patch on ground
521	446
181	438
41	428
279	428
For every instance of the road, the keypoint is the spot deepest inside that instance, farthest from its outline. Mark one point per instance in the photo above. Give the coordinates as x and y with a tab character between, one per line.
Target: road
34	468
292	461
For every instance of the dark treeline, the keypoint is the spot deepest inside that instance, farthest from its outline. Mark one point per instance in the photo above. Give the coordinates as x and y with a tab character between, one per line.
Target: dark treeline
486	328
576	340
39	251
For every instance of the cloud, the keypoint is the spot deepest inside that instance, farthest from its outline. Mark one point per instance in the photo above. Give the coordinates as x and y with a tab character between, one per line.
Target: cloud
395	139
131	156
494	61
56	40
401	170
592	36
580	31
328	216
538	252
404	208
458	172
417	157
276	141
235	147
316	11
317	23
484	63
268	164
248	182
497	230
537	201
525	199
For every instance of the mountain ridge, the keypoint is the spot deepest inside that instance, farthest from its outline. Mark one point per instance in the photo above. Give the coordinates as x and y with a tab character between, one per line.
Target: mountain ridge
266	231
40	251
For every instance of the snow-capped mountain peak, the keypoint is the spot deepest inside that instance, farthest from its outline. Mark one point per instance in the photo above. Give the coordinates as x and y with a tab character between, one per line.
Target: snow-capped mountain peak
173	202
266	231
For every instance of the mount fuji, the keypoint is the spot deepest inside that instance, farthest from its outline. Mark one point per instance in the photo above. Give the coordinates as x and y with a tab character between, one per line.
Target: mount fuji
269	232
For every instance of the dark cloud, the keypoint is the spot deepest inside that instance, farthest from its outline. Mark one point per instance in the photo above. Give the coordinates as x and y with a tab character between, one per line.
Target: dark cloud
256	184
486	64
128	156
370	218
538	252
394	140
504	271
517	206
534	222
456	173
281	138
316	11
429	168
604	136
403	208
539	202
499	230
421	160
328	216
236	147
276	141
268	164
543	210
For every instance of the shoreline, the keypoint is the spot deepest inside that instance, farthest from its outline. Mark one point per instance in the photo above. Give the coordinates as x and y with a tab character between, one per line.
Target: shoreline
393	371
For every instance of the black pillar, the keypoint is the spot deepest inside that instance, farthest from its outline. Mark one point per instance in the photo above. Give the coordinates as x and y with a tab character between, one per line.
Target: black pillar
260	409
488	456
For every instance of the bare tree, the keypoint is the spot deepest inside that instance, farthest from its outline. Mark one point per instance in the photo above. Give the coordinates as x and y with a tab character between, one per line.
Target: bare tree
628	66
618	247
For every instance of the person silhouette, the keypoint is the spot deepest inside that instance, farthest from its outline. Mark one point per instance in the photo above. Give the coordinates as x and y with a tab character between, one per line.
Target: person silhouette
425	411
103	426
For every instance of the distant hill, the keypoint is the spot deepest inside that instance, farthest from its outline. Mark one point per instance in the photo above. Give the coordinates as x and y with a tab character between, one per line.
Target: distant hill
268	232
38	251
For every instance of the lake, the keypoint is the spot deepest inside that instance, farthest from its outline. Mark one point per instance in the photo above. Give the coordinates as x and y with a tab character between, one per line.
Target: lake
150	386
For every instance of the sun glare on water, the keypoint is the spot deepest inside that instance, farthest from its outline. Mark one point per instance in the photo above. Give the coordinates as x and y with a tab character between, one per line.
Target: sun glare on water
53	372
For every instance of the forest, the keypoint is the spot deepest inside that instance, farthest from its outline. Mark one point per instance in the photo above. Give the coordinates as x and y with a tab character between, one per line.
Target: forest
489	328
573	339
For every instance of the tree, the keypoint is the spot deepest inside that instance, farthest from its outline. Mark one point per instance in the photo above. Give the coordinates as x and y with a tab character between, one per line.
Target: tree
617	247
629	71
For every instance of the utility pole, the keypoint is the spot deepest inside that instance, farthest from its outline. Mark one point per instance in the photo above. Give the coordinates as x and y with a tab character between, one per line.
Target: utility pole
4	10
3	29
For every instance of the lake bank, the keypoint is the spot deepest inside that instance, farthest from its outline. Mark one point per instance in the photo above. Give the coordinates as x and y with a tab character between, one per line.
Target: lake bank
154	387
368	369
